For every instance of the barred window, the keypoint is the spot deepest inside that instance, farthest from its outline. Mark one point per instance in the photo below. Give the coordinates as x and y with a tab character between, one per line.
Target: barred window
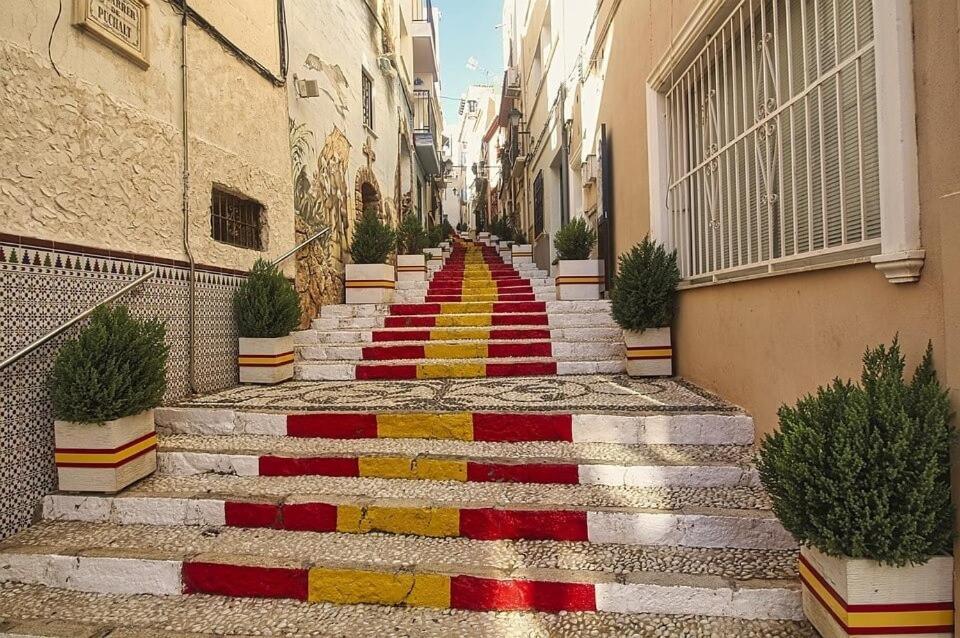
236	220
538	205
367	97
773	140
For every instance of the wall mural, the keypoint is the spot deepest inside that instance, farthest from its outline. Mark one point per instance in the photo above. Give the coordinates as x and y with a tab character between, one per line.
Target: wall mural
321	198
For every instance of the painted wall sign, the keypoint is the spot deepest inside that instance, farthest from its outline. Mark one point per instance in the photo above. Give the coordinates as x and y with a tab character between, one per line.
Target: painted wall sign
120	24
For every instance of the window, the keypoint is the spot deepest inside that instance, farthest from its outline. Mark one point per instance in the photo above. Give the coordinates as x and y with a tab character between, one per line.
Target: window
236	220
367	97
538	205
772	142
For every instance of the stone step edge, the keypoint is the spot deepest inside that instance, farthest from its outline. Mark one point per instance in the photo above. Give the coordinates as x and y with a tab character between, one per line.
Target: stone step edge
691	528
435	467
352	583
634	429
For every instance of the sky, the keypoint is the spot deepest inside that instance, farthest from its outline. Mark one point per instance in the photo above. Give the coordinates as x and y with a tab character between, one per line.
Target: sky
468	28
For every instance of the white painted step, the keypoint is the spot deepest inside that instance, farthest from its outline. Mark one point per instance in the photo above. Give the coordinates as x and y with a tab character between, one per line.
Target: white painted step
306	338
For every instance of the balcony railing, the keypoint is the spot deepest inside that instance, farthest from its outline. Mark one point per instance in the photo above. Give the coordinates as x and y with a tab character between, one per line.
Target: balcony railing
423	11
425	115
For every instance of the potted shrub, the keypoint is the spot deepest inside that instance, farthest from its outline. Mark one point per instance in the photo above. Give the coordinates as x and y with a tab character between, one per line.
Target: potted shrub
502	228
446	232
411	240
104	387
267	309
578	276
860	475
370	279
643	301
433	252
521	252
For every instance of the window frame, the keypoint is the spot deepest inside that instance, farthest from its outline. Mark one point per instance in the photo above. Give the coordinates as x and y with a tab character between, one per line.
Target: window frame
367	100
248	229
898	254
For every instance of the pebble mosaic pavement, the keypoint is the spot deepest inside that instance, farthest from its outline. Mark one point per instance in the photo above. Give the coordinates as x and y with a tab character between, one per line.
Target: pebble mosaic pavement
594	393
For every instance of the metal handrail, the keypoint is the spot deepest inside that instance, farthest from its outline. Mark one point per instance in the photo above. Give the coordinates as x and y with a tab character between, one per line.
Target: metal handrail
282	258
56	331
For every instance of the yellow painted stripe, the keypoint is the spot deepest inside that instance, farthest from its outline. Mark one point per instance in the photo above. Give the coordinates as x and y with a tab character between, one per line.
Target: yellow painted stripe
355	587
649	354
452	335
279	360
858	619
399	467
438	522
466	307
455	425
113	457
464	321
455	351
451	371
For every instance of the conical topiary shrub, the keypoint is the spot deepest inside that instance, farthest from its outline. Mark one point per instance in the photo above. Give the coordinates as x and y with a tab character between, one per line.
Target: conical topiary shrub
411	238
644	294
373	241
266	304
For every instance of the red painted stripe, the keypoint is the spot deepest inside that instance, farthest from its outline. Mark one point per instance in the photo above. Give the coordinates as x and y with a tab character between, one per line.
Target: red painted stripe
100	450
332	426
519	333
386	372
508	350
487	594
515	428
553	473
114	464
491	524
379	353
415	309
309	466
252	514
309	517
520	306
533	368
519	320
423	321
244	581
401	335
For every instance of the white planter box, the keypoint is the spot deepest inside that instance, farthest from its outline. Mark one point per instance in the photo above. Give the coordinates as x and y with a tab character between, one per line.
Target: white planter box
504	250
370	283
266	360
411	267
493	240
434	258
649	353
483	238
105	458
579	280
906	601
521	253
445	249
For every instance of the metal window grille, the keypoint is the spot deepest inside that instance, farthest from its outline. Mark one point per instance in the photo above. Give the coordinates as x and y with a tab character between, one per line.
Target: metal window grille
772	129
236	221
367	89
538	204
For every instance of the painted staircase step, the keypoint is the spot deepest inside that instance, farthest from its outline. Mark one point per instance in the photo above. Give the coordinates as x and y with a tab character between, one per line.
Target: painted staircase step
462	349
456	368
717	529
307	338
34	610
384	570
475	320
563	463
463	308
627	429
458	334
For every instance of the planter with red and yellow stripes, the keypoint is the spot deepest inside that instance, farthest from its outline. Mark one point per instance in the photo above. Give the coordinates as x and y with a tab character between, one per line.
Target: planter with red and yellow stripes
649	353
521	253
266	360
579	279
855	597
370	283
105	457
411	267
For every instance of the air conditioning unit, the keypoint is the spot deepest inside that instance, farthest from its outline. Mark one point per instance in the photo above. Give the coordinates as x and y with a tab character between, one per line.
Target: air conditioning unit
307	88
513	83
590	170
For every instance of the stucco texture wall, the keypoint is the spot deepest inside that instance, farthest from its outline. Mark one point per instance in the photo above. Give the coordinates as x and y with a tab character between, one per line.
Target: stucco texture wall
90	152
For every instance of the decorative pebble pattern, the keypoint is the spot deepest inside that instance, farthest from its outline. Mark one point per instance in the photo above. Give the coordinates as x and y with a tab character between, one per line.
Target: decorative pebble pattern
80	614
488	494
596	393
586	452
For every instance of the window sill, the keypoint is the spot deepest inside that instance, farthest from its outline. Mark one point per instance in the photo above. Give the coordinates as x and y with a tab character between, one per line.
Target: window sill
864	254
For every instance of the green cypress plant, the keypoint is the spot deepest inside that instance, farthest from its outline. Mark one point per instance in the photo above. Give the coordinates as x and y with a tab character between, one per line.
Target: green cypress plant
447	229
411	238
434	237
373	241
116	367
575	240
266	304
863	470
644	292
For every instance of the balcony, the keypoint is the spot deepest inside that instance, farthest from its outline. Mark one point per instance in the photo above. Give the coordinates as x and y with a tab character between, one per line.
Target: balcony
426	137
424	32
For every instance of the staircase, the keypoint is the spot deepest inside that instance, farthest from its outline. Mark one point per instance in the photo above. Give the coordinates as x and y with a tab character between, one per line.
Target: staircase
477	317
552	505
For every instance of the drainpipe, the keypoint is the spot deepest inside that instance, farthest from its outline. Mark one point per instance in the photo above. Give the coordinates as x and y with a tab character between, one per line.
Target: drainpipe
185	126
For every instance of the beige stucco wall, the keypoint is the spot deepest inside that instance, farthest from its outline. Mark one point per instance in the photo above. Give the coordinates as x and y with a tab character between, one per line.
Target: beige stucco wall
93	155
